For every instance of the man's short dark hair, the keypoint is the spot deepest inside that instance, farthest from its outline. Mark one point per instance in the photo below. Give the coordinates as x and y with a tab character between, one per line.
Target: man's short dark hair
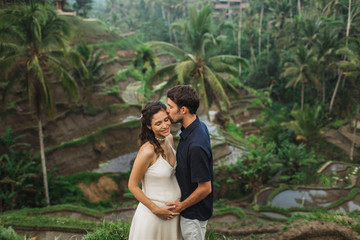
185	96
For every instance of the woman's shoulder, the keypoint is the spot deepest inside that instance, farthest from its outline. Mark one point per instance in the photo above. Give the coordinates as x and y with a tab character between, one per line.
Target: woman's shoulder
170	138
147	149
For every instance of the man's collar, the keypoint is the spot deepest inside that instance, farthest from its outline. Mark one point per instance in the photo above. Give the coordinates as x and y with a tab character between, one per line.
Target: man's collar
185	132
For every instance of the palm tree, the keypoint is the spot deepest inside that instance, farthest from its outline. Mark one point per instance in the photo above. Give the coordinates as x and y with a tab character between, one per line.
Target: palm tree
260	24
310	31
299	6
351	67
351	64
250	32
34	52
353	12
307	125
300	70
194	65
94	76
145	58
326	44
280	13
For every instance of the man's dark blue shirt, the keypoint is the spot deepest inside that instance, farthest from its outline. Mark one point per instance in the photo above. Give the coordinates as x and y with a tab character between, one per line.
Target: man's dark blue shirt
194	165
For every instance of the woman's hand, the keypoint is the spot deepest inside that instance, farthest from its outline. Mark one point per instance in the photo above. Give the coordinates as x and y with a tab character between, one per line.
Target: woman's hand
166	213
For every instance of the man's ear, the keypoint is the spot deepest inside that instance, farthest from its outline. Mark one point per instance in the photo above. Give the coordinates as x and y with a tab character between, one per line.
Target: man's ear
184	110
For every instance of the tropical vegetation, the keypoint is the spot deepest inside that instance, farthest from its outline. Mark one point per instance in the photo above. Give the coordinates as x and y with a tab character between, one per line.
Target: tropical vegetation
299	61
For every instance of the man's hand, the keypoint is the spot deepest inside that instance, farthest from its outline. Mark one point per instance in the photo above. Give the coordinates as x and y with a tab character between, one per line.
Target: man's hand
177	206
166	213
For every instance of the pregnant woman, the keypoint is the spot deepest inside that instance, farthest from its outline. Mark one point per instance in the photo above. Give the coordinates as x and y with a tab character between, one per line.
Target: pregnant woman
154	167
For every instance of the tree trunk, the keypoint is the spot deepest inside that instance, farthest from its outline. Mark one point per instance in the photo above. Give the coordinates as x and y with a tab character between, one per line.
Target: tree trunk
335	91
302	95
353	138
143	90
253	58
348	23
176	39
163	12
299	7
268	41
239	37
43	162
169	25
323	89
260	25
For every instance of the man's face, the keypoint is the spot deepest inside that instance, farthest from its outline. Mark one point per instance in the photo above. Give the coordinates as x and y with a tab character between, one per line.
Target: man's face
174	112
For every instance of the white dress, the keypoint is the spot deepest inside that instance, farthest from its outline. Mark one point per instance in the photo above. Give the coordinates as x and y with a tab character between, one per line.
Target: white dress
160	186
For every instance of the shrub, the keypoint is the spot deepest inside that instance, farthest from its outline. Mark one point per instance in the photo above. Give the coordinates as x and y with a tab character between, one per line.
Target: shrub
8	234
110	231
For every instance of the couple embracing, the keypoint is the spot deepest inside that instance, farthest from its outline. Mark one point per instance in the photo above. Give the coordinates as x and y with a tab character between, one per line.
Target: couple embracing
176	199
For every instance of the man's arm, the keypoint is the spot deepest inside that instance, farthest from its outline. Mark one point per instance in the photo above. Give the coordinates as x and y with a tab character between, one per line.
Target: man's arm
201	192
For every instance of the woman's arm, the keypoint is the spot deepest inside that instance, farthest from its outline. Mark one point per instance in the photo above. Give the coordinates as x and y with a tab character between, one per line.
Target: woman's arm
145	157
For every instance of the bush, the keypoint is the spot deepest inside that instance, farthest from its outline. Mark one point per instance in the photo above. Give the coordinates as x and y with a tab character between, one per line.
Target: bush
8	234
110	231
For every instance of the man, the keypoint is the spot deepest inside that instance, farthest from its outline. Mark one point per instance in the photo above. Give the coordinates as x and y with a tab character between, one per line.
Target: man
194	171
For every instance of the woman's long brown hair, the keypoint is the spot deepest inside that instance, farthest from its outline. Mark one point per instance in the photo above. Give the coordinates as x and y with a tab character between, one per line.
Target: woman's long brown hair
146	134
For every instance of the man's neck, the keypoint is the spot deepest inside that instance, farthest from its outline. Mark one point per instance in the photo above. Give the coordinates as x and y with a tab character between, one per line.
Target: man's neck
188	119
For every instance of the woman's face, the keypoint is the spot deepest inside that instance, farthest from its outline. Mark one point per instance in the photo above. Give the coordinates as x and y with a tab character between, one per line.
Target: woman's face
160	124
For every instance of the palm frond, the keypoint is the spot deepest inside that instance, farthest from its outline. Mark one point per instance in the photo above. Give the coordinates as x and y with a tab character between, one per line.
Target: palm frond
216	85
36	71
229	59
170	82
225	68
167	70
7	65
183	70
227	85
169	48
70	85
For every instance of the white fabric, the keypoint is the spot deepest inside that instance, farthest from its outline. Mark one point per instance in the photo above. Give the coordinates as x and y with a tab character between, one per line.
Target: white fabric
160	185
193	229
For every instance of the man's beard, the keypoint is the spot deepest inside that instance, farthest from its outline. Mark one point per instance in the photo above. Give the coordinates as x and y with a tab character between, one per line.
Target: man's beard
180	120
174	122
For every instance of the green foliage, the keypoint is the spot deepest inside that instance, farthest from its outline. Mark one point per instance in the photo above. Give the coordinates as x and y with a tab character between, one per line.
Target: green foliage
326	180
257	162
226	184
9	142
62	191
265	73
112	47
110	231
307	125
32	54
196	64
249	172
16	218
128	194
297	164
84	177
9	234
83	7
18	175
234	131
89	80
21	183
327	216
212	235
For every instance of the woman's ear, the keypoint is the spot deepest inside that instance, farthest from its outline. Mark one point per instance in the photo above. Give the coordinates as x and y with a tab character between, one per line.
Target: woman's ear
149	127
